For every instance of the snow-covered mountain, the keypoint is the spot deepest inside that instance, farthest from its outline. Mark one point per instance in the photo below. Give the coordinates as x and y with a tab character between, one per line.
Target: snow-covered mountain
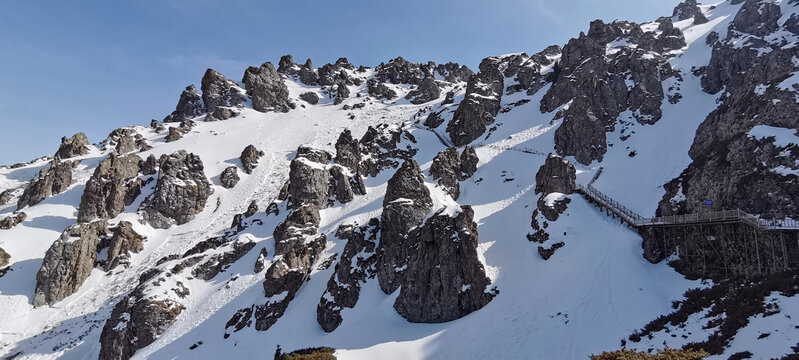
421	210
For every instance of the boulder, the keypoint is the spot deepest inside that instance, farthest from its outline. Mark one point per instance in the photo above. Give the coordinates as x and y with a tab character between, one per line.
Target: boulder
68	262
181	191
452	72
310	97
309	182
405	205
111	188
220	261
5	258
267	89
189	106
249	158
174	135
758	17
124	241
287	65
229	177
221	113
5	197
10	221
76	145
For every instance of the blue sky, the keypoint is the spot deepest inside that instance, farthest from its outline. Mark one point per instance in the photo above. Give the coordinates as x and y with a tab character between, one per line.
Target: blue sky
93	66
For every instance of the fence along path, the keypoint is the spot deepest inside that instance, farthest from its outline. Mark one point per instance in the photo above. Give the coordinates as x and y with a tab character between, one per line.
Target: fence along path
633	219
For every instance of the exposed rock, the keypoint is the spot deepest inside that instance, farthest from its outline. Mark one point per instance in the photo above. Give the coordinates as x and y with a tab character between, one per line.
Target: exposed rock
480	104
444	279
435	119
5	197
686	10
381	150
582	134
301	223
126	145
286	275
557	175
249	158
149	166
219	91
552	205
10	221
77	145
112	183
180	192
189	106
238	219
221	113
219	262
342	92
137	321
310	97
260	263
399	71
49	182
405	205
348	151
309	183
267	88
124	241
5	258
380	90
758	17
68	262
287	65
452	72
229	177
446	169
356	265
174	135
307	74
427	90
547	253
469	161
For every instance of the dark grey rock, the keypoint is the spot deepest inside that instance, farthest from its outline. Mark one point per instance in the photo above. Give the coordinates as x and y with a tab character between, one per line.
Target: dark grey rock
5	197
229	177
310	97
219	91
399	71
556	175
76	145
405	205
342	92
446	169
180	192
267	88
758	17
309	182
49	182
249	158
13	220
427	91
124	241
287	65
68	262
452	72
189	106
444	279
686	10
219	262
380	90
469	161
582	134
307	74
348	151
382	145
299	224
480	104
357	264
109	187
221	113
148	166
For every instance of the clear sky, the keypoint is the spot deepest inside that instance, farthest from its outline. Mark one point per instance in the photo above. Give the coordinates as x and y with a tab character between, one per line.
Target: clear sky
95	65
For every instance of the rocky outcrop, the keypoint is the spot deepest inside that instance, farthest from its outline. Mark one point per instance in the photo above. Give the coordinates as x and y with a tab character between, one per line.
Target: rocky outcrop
405	205
357	264
219	91
49	182
449	168
267	89
427	91
401	71
444	279
229	177
348	151
148	166
221	260
758	17
77	145
173	135
381	148
307	74
380	90
124	241
249	158
13	220
581	134
113	186
301	223
310	97
68	262
189	106
180	192
5	258
687	9
137	320
5	197
287	66
284	278
480	104
313	180
555	180
452	72
221	113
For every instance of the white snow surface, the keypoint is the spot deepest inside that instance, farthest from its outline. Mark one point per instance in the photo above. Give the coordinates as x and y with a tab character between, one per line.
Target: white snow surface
592	293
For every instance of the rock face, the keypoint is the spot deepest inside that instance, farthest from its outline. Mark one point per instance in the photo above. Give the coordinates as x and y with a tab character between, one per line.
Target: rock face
124	241
219	91
77	145
189	106
427	91
313	180
444	279
180	192
348	151
556	175
480	104
356	265
401	71
10	221
113	185
286	275
249	158
449	168
52	181
299	224
68	262
267	89
229	177
405	205
287	65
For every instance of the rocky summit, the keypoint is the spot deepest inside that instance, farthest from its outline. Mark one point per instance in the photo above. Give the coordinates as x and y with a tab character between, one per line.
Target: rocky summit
630	192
